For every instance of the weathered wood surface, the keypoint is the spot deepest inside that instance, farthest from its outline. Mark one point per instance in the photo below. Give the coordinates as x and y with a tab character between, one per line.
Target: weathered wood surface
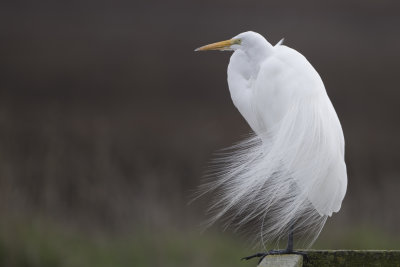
336	258
282	261
354	258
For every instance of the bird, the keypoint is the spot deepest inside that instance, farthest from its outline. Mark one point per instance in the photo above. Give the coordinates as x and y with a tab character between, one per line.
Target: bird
289	175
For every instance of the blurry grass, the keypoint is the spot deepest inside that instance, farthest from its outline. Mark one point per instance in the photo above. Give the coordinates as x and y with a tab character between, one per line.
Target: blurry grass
40	244
360	237
46	244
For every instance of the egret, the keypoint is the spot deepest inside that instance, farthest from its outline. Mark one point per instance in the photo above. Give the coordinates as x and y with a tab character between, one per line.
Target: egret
289	176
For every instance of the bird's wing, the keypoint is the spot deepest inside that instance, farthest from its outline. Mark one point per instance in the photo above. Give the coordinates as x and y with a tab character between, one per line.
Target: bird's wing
309	142
304	131
292	170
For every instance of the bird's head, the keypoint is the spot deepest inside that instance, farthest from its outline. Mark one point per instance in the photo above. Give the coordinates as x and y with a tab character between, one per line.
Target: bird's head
243	41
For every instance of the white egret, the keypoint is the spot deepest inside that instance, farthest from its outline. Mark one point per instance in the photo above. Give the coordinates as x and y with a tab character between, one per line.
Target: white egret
290	175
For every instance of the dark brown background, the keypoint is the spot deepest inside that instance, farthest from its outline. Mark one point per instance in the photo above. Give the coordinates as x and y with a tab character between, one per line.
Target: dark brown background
108	118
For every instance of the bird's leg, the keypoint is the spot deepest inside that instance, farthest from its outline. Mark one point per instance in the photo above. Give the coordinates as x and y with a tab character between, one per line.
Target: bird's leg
261	255
257	255
289	247
288	250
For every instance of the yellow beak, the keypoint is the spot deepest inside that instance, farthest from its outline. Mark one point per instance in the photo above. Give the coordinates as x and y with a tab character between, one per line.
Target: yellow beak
224	45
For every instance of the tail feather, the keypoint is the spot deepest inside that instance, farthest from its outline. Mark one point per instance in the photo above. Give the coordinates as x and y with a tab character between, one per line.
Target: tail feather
290	176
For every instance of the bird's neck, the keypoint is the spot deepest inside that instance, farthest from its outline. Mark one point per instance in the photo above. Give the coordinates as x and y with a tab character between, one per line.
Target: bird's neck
244	65
258	53
243	70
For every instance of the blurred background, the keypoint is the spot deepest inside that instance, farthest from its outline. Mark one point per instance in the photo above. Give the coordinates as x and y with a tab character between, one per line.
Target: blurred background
108	120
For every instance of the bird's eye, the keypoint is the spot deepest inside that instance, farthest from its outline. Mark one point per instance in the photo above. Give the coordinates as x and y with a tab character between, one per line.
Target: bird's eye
237	41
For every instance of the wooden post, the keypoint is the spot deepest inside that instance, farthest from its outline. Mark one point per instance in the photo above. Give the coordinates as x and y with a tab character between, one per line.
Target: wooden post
336	258
364	258
282	261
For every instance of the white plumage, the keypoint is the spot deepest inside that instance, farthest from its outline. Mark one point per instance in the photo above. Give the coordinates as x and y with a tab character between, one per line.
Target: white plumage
291	171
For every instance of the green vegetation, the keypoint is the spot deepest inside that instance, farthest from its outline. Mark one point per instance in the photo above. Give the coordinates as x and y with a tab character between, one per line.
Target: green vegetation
49	245
45	244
